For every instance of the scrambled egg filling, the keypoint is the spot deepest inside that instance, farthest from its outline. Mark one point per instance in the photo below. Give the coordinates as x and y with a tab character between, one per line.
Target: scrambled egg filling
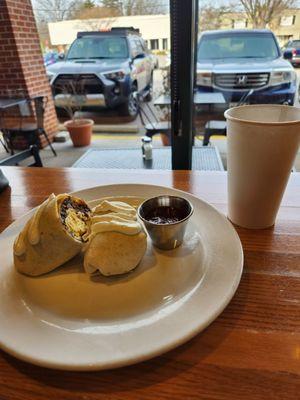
75	215
75	223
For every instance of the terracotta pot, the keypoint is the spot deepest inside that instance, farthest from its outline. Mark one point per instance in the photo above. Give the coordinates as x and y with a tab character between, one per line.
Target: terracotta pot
80	131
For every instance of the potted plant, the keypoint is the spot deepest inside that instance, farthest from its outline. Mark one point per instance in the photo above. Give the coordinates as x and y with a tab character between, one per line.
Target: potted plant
71	99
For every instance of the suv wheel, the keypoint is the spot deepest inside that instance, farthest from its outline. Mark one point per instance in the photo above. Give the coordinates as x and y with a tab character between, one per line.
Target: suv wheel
131	106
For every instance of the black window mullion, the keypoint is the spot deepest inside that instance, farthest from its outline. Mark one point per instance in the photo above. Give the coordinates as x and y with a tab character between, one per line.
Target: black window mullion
183	37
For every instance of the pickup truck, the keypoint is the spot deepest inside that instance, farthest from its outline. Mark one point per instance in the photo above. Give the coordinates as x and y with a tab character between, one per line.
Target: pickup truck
235	61
103	70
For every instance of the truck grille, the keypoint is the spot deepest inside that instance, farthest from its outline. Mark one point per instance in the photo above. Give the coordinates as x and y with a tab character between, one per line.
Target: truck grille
241	81
77	84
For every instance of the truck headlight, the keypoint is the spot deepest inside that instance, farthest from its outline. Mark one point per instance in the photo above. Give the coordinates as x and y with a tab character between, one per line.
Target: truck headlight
204	78
282	76
115	75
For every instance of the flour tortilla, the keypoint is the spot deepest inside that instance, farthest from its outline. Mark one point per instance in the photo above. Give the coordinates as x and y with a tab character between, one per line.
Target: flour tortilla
113	253
133	201
55	247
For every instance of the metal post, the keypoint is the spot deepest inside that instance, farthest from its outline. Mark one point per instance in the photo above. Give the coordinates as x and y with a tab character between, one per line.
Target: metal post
196	43
183	36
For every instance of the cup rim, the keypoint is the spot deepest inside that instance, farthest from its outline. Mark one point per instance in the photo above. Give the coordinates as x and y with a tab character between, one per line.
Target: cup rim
170	223
248	121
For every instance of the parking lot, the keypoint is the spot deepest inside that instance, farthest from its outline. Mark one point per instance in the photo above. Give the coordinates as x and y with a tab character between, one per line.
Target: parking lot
113	123
115	131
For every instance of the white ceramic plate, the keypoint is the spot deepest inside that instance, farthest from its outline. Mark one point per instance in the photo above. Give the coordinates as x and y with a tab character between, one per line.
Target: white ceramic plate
67	320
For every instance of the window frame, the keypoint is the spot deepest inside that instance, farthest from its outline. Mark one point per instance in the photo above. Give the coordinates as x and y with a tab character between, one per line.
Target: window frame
184	33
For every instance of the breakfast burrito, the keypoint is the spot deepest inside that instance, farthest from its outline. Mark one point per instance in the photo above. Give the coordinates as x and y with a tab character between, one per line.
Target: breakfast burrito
117	241
54	234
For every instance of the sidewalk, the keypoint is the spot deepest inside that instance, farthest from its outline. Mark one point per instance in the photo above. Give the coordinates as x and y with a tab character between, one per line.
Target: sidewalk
67	154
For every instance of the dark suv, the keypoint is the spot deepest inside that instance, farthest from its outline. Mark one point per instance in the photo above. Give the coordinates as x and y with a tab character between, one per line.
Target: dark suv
291	51
235	62
104	69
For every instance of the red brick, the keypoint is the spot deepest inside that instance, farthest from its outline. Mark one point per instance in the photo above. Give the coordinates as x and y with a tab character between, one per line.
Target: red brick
21	59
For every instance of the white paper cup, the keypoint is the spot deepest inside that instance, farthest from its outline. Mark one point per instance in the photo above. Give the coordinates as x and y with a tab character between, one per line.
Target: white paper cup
262	145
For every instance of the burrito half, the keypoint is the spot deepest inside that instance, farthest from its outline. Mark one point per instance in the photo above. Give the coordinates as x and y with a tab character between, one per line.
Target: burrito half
55	233
117	241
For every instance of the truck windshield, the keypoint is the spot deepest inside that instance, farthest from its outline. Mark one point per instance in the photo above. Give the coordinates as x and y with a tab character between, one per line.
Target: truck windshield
237	45
98	48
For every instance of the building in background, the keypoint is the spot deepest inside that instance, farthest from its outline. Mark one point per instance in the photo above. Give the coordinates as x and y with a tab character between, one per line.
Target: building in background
288	26
285	28
155	29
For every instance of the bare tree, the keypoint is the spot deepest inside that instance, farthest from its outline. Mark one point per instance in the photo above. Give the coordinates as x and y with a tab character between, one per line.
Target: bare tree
96	12
96	18
212	17
115	5
137	7
262	13
59	10
55	10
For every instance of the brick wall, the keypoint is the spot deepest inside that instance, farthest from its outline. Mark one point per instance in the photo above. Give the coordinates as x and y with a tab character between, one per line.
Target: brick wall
21	61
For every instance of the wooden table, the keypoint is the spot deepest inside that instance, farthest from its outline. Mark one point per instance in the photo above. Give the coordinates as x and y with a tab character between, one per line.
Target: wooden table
252	351
199	99
11	102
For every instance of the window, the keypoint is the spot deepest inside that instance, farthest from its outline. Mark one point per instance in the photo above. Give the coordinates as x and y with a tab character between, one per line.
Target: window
98	47
108	84
143	44
240	45
165	44
154	44
233	67
239	23
288	20
139	47
133	46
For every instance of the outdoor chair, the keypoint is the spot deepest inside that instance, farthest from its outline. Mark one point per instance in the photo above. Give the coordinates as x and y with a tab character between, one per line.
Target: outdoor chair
33	151
151	122
215	127
29	130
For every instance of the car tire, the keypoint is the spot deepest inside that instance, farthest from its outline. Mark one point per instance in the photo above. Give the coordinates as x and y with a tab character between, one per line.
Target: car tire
131	106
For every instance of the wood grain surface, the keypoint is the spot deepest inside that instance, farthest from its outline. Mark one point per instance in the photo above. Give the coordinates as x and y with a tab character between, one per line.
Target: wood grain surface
252	351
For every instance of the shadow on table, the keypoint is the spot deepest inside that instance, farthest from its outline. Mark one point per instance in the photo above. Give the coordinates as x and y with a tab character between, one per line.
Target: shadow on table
146	374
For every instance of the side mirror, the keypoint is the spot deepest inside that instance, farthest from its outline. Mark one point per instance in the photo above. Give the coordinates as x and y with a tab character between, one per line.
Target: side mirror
61	56
141	55
288	54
